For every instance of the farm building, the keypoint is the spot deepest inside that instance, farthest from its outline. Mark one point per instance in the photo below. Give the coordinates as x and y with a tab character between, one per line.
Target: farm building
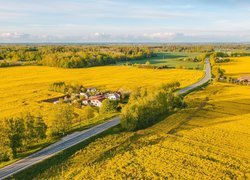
85	95
97	101
244	79
113	96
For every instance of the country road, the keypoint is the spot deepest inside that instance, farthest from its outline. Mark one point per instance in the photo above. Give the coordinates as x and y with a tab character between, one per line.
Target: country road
78	137
205	79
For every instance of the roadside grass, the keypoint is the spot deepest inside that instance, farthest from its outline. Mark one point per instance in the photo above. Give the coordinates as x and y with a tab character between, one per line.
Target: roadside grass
171	59
24	88
210	139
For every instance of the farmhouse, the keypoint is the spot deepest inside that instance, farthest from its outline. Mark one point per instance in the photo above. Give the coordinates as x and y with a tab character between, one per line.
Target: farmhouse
91	97
244	79
97	101
85	95
113	96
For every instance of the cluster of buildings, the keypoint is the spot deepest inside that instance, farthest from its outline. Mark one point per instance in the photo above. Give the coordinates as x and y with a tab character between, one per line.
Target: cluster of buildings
244	79
91	97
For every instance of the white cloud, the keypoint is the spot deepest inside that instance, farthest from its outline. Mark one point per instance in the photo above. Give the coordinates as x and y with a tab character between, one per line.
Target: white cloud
16	37
159	35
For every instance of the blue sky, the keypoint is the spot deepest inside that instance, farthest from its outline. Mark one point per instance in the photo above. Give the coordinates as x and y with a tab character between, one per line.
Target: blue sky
124	21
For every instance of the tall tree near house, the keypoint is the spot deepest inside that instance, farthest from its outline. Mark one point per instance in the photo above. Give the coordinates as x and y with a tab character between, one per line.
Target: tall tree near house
88	113
15	131
60	120
145	107
218	73
108	106
40	128
5	149
29	129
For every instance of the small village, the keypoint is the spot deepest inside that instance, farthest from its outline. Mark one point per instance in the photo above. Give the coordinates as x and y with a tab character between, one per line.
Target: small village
242	80
92	97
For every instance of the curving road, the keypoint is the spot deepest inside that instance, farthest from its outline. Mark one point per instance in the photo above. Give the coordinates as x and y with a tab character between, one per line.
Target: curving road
205	79
78	137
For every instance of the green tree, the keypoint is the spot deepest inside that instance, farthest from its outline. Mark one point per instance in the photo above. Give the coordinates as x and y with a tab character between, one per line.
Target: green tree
147	63
60	119
29	129
14	128
88	113
218	73
108	106
6	152
145	108
40	128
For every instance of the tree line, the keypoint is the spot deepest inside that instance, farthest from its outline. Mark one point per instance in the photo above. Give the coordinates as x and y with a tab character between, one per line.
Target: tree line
236	49
72	56
145	107
18	133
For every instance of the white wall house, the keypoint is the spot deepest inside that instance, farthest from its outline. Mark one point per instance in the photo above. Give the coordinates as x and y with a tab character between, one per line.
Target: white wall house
85	95
113	96
96	102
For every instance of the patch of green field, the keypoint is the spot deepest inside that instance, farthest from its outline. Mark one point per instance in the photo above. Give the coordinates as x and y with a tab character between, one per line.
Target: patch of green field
170	59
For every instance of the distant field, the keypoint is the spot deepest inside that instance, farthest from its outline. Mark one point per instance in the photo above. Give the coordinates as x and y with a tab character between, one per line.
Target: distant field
23	88
170	59
238	66
208	140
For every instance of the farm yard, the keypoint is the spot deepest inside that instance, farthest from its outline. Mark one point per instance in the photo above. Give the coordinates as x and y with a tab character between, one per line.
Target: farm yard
24	88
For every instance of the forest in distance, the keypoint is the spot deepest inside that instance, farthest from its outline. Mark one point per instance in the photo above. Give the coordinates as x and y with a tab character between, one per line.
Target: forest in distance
79	56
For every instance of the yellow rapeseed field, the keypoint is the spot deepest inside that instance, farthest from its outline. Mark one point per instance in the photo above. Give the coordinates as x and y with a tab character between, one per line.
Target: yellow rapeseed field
208	140
23	88
237	66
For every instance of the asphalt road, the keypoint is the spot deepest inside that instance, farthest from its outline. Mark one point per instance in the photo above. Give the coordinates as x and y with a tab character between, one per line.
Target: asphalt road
78	137
205	79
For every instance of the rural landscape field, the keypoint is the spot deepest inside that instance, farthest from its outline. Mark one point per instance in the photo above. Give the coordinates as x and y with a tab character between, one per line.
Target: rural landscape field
208	139
108	89
26	92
